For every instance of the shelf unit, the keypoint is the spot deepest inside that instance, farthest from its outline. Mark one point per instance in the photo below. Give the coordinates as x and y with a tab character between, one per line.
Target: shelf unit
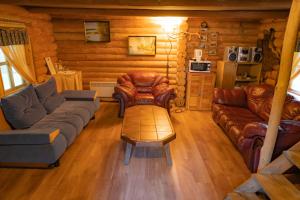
200	86
229	74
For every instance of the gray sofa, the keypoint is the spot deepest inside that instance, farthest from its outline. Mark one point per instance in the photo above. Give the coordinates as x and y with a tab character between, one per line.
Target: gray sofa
44	124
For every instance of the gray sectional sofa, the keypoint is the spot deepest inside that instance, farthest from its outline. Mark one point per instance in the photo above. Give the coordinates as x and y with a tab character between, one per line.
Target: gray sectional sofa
44	123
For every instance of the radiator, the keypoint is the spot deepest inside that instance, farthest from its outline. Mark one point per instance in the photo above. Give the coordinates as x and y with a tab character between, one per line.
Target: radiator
103	89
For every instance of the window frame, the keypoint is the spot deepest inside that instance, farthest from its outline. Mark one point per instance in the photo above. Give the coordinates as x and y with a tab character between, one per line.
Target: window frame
13	88
295	92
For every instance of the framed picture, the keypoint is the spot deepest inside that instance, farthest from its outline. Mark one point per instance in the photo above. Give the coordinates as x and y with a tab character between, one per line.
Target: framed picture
213	44
97	31
142	45
213	36
212	52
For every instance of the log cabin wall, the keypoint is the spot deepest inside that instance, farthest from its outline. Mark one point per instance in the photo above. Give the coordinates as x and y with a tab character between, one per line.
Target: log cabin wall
39	29
230	33
107	61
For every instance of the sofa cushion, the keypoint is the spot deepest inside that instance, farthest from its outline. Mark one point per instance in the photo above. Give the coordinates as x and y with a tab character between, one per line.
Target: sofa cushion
144	98
23	109
257	95
68	130
48	95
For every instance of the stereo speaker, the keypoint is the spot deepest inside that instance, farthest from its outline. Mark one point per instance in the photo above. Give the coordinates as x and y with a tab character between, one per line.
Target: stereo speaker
231	54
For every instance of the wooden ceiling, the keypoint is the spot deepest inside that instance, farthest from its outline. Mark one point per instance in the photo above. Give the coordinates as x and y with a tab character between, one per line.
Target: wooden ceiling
203	5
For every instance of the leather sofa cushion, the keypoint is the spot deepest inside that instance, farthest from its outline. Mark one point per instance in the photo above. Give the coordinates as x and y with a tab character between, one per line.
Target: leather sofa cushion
23	109
142	79
144	98
48	96
233	119
144	89
233	97
256	96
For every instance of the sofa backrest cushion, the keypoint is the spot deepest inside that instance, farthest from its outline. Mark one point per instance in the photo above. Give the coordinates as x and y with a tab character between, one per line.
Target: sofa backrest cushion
257	95
143	79
23	109
230	97
291	110
48	96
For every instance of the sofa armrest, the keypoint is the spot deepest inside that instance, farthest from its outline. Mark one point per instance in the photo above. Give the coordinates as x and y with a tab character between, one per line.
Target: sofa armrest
230	97
163	93
79	95
253	135
28	136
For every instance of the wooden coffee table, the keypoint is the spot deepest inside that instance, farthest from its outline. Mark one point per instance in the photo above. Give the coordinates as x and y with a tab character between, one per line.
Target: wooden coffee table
147	126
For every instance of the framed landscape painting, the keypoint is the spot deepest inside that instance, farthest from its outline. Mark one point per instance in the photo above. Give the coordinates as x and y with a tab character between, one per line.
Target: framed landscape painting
97	31
142	45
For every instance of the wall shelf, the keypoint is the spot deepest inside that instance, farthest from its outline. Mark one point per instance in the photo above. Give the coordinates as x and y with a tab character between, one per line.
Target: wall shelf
229	73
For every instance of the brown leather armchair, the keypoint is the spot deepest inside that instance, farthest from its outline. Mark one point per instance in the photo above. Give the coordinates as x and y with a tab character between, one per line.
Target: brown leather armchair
136	88
243	114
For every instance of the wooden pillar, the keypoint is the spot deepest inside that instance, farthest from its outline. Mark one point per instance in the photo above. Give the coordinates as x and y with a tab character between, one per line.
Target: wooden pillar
288	48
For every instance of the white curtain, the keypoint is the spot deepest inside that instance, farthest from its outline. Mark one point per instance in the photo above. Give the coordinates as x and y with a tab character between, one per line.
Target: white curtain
17	56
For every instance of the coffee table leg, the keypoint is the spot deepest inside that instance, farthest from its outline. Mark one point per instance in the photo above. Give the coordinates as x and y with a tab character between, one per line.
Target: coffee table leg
127	153
168	154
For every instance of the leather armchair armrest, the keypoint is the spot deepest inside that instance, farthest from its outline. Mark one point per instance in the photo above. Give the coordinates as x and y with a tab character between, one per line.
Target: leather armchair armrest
163	93
28	136
230	97
125	92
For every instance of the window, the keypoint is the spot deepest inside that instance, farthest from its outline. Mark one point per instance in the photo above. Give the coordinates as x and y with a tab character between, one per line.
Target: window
10	77
295	78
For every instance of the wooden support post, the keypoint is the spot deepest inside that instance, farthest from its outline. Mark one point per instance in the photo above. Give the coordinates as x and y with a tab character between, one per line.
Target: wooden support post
289	43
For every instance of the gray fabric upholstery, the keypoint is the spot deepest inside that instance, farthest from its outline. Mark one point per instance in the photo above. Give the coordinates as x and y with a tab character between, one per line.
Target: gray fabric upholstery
90	106
42	153
68	130
48	95
23	109
26	136
79	95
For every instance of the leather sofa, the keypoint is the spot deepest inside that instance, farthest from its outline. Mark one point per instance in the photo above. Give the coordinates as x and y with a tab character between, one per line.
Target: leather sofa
138	88
243	114
42	124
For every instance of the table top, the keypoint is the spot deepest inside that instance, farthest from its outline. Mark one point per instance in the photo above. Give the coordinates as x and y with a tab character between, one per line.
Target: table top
147	124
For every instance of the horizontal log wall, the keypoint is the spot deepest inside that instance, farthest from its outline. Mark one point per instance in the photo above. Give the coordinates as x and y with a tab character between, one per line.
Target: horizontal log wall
39	29
230	33
107	61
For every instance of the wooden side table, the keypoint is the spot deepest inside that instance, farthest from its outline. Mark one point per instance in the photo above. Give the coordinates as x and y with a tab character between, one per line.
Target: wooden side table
147	126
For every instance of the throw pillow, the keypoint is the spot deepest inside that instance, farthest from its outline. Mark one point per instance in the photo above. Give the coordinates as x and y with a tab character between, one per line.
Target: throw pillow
23	109
48	96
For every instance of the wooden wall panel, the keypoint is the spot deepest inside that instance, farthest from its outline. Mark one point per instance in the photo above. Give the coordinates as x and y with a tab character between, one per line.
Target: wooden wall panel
107	61
231	33
39	29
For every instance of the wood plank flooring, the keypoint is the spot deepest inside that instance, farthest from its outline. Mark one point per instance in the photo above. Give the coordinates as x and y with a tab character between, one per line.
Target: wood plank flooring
205	165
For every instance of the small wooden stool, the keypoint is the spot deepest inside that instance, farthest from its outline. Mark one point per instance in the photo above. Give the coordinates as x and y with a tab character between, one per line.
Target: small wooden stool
147	126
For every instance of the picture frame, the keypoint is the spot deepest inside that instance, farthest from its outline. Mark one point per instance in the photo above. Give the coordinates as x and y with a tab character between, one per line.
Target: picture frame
142	45
212	52
97	31
213	44
213	36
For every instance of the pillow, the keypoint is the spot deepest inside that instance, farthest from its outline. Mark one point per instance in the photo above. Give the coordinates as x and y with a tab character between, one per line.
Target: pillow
23	109
48	95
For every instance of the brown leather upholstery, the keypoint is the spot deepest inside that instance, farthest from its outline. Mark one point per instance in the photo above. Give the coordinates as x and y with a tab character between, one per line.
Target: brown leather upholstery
138	88
243	114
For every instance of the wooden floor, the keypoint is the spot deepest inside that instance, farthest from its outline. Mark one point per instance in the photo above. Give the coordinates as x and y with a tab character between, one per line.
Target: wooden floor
205	165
